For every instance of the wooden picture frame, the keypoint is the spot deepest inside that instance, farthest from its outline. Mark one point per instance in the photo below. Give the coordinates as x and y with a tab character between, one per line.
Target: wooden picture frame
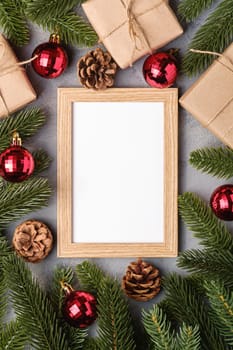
149	99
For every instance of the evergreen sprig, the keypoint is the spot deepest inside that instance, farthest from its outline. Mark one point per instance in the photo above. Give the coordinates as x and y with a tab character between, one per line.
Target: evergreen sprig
186	304
159	329
190	10
214	35
42	161
91	344
32	307
209	264
204	224
13	337
189	338
4	251
215	161
89	276
26	122
221	301
51	8
13	22
114	321
19	199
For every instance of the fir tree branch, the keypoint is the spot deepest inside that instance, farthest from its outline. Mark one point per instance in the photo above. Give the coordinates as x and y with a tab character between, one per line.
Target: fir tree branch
221	301
13	23
13	337
37	10
215	35
205	226
190	10
159	329
26	122
185	304
64	274
73	29
91	344
4	251
90	276
75	337
210	264
42	161
32	307
189	338
115	325
19	199
215	161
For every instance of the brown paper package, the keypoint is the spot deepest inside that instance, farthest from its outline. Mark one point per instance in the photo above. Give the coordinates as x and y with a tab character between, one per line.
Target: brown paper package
210	98
15	89
110	20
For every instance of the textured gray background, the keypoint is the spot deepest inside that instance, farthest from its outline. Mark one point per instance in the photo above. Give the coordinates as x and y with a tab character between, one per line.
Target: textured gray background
191	136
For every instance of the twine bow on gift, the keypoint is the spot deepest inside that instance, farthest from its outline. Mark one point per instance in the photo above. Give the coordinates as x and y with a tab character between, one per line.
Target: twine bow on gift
9	69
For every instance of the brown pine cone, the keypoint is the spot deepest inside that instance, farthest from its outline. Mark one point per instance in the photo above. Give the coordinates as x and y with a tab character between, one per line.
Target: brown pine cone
142	281
96	70
32	240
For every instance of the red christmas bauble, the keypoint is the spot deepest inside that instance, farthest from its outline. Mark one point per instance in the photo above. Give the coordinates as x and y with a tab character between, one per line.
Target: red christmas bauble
51	58
160	70
16	162
79	309
221	202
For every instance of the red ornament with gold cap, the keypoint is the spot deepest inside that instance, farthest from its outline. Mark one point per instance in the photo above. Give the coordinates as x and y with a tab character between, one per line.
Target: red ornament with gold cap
16	162
51	58
79	307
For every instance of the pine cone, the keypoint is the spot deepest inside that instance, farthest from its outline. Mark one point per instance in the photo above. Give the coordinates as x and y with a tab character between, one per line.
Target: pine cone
142	281
96	70
32	240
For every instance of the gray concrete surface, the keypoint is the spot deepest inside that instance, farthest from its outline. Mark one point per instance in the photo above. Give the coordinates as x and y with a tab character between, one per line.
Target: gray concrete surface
191	136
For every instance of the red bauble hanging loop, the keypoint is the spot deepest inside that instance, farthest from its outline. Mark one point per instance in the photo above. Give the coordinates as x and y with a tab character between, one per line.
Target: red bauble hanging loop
221	202
51	58
160	70
16	162
79	307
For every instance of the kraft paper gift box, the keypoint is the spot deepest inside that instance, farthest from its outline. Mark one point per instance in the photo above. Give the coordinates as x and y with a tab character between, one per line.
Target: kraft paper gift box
16	90
210	98
130	29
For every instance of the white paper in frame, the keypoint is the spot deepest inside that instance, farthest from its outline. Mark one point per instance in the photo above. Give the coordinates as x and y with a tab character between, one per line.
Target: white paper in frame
117	173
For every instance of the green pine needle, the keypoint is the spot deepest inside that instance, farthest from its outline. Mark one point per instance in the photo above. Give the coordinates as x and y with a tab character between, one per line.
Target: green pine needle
186	304
13	23
189	338
72	28
159	329
37	10
26	122
190	10
215	161
32	307
91	344
215	35
13	337
210	264
205	226
42	161
114	321
221	301
19	199
4	251
90	276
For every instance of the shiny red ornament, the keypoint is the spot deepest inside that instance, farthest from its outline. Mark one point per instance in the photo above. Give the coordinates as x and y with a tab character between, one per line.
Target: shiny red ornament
52	58
16	162
221	202
160	70
79	307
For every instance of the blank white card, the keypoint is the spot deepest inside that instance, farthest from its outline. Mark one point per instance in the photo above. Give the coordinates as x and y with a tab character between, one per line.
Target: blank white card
118	172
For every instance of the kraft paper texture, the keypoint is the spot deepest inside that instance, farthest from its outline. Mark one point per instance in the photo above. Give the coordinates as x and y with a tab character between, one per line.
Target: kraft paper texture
15	89
210	98
155	21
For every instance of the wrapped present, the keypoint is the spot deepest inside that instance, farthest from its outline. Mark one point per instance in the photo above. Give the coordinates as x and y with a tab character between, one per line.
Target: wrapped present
210	98
130	29
16	90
